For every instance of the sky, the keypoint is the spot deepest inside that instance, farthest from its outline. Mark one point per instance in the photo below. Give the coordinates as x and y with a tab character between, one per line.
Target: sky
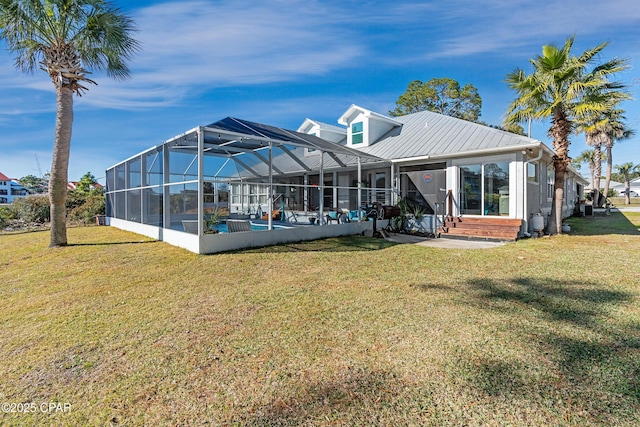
279	62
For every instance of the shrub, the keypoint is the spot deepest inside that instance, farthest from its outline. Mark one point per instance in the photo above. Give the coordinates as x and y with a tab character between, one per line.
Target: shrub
92	204
32	208
6	215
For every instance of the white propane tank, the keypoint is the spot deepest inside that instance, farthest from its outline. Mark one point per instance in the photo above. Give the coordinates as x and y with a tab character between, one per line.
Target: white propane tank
537	223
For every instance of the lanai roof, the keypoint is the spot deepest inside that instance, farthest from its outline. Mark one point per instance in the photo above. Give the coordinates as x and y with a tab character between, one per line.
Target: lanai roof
247	144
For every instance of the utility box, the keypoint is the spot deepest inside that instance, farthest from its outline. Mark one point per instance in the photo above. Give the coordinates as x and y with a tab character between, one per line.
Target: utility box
588	210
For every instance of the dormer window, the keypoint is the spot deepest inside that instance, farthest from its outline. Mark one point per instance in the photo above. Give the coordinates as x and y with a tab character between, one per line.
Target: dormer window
357	133
365	127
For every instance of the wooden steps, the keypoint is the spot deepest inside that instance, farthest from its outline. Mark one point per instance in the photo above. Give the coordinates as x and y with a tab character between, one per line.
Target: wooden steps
494	228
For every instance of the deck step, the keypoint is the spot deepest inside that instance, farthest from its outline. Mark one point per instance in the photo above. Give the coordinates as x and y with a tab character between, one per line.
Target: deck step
483	228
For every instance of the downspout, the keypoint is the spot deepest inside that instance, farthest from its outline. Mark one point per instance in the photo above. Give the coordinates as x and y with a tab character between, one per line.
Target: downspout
359	198
525	203
270	204
321	188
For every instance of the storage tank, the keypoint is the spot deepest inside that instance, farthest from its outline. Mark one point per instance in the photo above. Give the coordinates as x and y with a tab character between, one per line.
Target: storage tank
537	223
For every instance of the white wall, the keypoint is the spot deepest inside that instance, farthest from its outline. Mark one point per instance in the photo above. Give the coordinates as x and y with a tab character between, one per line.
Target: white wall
213	243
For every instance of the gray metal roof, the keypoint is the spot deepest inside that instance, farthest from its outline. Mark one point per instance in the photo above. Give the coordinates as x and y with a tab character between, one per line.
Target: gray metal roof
329	126
436	135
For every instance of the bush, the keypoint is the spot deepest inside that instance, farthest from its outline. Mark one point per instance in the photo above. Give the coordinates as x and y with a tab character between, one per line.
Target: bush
6	216
92	204
32	209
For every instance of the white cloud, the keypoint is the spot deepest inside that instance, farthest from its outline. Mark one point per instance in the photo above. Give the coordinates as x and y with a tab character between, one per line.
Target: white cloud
499	27
193	46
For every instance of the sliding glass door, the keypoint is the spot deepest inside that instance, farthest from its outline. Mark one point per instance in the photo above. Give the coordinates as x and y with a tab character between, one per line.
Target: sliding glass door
484	189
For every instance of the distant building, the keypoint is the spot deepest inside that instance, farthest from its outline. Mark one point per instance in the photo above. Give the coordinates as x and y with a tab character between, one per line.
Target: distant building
10	189
73	185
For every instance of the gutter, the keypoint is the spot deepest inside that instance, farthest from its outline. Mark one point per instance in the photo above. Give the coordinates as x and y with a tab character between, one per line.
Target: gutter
481	152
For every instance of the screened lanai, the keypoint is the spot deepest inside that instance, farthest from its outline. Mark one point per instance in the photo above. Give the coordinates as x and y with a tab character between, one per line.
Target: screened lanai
234	169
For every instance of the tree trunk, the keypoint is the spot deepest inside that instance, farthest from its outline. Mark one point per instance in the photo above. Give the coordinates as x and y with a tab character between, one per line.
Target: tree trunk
627	188
609	167
597	163
560	130
555	220
60	166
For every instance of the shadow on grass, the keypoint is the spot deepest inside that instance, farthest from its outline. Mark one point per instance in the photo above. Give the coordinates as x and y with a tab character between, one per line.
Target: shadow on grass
334	244
579	350
351	397
600	224
132	242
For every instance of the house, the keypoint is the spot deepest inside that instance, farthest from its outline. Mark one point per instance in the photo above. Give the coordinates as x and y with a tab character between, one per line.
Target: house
10	189
634	187
484	173
470	180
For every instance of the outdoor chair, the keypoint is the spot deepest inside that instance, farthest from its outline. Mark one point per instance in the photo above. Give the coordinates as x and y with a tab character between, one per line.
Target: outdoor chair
333	216
191	225
238	225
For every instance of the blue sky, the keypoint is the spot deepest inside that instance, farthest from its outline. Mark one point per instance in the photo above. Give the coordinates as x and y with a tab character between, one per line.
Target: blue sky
278	62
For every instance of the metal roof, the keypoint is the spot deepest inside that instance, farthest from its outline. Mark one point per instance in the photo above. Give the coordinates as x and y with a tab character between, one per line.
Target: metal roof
435	135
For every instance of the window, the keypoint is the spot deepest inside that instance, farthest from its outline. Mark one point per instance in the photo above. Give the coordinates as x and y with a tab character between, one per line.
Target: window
496	188
532	172
357	133
380	183
550	178
484	189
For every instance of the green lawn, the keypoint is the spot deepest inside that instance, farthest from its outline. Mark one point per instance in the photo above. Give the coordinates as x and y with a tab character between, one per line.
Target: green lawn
349	331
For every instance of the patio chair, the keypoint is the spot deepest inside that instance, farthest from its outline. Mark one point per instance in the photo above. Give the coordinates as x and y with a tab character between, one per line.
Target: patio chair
191	226
333	216
238	226
353	215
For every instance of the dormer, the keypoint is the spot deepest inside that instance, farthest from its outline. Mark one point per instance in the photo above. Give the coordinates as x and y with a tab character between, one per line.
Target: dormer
331	133
365	127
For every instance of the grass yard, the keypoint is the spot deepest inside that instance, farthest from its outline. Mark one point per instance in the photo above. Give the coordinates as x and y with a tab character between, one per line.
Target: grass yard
349	331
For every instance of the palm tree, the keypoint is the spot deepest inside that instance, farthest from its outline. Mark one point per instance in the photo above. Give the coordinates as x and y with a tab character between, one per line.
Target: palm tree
62	37
589	157
616	130
595	125
625	169
561	87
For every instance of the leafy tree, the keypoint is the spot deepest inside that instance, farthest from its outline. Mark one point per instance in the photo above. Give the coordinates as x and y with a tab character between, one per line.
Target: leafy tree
440	95
86	183
64	38
33	184
561	87
625	169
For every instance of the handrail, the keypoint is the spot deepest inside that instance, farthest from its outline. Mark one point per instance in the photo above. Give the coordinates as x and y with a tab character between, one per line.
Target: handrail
448	207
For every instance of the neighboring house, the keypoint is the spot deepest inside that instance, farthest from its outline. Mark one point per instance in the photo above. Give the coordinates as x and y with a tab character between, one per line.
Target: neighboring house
10	189
634	188
470	179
